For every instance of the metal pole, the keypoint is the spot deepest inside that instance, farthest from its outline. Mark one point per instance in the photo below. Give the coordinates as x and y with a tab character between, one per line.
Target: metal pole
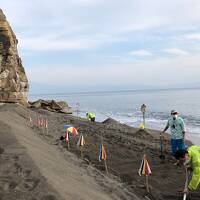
144	119
143	110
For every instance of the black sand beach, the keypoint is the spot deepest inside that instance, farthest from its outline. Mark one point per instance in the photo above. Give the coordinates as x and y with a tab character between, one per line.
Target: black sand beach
36	165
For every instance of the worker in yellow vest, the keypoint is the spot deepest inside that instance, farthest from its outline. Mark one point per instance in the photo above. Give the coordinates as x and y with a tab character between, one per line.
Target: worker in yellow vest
191	159
90	116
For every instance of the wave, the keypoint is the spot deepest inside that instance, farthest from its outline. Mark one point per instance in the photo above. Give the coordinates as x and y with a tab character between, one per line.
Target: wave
153	120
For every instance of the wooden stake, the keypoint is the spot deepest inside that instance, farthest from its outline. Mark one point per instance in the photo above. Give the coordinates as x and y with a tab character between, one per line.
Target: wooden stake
43	128
30	121
67	134
147	184
68	145
106	166
47	130
82	152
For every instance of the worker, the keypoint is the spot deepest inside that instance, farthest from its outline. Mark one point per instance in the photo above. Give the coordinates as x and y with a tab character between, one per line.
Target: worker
90	116
191	159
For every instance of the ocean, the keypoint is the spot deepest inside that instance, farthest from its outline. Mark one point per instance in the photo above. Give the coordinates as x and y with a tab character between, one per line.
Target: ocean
124	106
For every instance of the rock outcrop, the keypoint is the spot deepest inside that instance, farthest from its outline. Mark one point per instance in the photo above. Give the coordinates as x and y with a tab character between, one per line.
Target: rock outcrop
13	80
52	106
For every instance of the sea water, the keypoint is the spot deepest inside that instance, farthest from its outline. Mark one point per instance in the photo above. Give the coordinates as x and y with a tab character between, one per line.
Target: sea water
125	107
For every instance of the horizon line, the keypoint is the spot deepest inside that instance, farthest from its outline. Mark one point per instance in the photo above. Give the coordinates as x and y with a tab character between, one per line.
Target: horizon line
113	91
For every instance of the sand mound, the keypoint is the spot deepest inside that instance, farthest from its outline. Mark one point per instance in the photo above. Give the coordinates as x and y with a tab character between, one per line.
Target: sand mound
110	121
143	134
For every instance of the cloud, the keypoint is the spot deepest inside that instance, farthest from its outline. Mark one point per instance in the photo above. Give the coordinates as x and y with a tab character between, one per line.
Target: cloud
111	15
59	42
141	52
82	20
103	31
84	2
42	44
194	36
158	71
176	51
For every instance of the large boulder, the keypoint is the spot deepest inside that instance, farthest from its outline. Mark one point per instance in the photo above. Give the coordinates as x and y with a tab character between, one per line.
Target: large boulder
13	80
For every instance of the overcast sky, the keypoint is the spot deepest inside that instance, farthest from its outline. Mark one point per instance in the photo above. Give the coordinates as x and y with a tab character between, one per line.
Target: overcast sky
108	43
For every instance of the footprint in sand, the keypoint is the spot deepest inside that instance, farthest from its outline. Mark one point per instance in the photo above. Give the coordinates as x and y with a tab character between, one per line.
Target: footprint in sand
126	178
15	158
1	150
31	183
9	185
49	136
49	197
18	168
20	171
27	173
12	185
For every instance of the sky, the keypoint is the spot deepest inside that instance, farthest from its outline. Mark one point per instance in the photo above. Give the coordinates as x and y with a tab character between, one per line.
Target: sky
83	45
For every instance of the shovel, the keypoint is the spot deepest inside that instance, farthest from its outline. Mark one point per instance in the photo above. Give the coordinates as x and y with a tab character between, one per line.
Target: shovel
161	156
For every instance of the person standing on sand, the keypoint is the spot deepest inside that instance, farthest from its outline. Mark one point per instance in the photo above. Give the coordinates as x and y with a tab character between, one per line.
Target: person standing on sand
90	116
191	159
177	128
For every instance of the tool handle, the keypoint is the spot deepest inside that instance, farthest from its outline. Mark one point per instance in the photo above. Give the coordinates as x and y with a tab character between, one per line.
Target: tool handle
186	183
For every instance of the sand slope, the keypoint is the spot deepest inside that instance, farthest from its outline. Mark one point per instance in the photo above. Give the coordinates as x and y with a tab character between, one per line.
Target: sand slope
20	179
55	173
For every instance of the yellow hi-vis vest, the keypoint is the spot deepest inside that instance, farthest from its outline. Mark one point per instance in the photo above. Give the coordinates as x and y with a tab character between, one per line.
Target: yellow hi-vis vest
90	115
194	155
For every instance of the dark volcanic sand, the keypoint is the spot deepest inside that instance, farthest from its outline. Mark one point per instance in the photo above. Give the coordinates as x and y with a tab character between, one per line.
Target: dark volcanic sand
20	179
125	147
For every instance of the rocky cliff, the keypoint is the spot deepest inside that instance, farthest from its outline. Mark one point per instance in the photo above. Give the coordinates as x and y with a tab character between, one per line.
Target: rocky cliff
13	80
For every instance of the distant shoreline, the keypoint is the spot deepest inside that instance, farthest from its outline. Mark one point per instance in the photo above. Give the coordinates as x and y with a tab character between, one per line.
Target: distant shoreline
156	117
114	91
